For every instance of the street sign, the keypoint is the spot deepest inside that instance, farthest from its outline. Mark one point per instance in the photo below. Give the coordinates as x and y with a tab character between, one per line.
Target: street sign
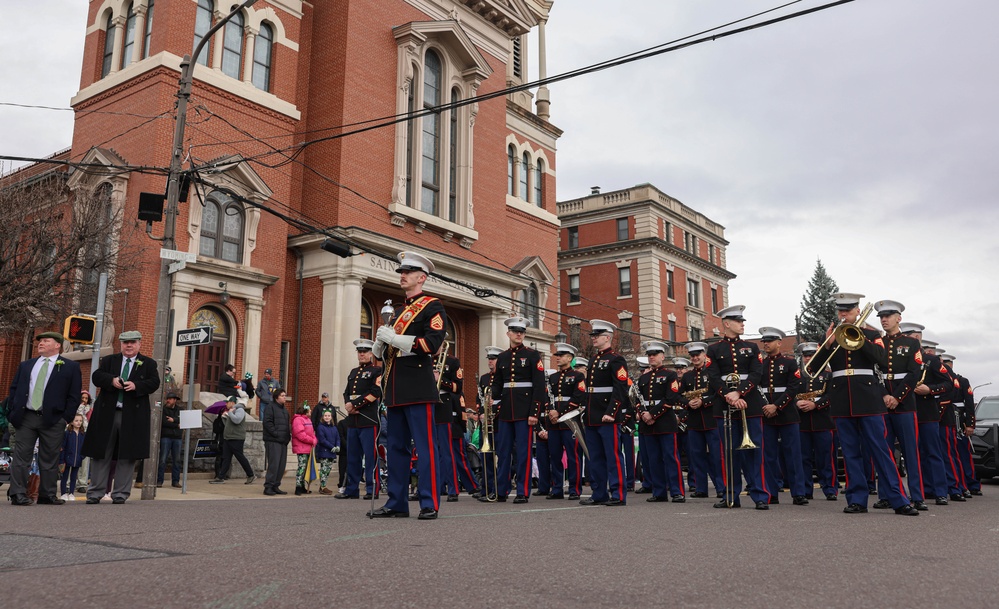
180	265
194	336
176	255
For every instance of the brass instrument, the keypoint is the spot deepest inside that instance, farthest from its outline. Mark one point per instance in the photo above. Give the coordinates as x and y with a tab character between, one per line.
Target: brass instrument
809	395
488	451
733	381
442	360
570	419
847	336
694	394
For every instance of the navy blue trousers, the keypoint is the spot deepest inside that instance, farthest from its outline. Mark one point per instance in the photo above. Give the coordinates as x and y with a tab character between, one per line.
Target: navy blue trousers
445	460
952	460
412	424
934	476
559	441
462	471
868	432
904	427
964	449
543	456
508	435
606	467
749	462
628	448
664	465
784	439
643	458
818	452
704	457
361	445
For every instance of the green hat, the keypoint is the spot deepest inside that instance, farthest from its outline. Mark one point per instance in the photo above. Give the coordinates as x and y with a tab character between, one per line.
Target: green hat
130	335
231	398
53	335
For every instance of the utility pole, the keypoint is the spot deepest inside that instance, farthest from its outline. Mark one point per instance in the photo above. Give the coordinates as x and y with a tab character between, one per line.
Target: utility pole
161	340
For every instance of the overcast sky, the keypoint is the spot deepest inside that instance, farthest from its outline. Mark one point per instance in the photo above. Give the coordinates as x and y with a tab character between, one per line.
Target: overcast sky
863	135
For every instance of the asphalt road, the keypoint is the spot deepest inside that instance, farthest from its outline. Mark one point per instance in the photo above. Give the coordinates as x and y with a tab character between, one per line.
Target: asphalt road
316	551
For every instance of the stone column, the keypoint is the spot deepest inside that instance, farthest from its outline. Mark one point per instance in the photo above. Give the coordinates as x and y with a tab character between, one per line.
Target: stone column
491	332
119	37
650	295
138	44
251	36
543	102
180	302
216	44
341	315
252	335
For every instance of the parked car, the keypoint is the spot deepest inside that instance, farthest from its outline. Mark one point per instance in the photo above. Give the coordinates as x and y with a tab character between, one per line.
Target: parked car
986	437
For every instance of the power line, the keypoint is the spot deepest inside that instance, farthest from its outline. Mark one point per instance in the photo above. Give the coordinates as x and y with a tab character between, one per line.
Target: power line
111	112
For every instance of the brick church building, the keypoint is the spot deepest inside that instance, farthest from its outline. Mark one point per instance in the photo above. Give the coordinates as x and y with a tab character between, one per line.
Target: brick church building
473	188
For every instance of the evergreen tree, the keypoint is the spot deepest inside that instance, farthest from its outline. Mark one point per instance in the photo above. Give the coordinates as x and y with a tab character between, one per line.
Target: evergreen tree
817	309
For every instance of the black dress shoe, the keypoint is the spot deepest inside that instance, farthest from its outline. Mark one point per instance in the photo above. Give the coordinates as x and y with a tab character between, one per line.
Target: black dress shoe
93	501
590	501
414	497
882	504
872	491
810	497
679	499
615	502
267	491
559	496
957	497
345	496
941	501
117	501
907	510
700	495
501	498
476	494
573	497
520	499
428	514
278	491
51	500
854	508
976	493
643	490
832	498
774	500
19	499
487	499
967	494
921	506
654	499
367	497
800	500
384	512
452	498
724	504
762	505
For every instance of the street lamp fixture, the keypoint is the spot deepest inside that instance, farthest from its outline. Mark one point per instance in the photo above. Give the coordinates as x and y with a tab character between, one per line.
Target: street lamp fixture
224	296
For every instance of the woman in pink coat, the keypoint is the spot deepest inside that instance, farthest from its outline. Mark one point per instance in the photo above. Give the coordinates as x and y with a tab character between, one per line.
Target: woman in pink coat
303	438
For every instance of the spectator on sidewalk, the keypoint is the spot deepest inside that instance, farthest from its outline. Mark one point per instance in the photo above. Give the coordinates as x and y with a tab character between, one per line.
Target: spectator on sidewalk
70	458
277	435
170	440
267	390
85	407
233	438
327	447
228	382
303	438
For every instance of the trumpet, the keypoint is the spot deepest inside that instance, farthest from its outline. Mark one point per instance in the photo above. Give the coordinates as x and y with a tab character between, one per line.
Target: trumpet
847	336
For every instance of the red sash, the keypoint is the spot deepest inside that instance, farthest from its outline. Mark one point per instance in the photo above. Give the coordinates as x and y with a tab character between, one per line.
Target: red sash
410	313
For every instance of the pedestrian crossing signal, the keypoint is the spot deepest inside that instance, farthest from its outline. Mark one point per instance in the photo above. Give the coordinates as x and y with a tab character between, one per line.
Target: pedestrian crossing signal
79	329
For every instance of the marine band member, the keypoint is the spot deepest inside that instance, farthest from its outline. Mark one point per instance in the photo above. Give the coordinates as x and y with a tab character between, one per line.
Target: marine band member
659	390
781	429
361	397
702	429
818	450
568	388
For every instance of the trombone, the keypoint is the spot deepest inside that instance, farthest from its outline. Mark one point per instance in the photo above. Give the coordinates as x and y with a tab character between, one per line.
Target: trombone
732	381
847	336
487	451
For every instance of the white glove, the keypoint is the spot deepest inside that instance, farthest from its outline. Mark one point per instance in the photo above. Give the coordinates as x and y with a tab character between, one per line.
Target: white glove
336	449
400	341
385	334
378	349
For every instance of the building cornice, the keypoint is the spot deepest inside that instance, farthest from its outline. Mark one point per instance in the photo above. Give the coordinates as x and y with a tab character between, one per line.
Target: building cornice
634	248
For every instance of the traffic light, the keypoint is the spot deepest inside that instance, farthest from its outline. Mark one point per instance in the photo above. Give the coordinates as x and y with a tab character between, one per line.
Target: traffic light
80	329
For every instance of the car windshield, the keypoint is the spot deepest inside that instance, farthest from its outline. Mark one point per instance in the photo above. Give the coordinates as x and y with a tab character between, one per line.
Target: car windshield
988	408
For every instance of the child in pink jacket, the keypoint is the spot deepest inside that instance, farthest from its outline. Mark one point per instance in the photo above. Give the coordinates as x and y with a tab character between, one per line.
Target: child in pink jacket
303	438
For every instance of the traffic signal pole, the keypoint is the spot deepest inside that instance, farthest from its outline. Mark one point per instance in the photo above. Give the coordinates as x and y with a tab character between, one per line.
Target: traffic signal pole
95	348
161	339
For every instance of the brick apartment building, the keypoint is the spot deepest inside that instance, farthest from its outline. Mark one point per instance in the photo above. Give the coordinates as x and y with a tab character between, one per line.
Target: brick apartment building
467	187
645	261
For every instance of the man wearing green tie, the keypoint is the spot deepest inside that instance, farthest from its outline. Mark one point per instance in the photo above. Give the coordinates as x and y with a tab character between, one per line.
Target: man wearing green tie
43	398
119	424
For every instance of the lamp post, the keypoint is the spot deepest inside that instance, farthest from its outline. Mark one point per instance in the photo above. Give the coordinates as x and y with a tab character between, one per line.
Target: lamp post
161	338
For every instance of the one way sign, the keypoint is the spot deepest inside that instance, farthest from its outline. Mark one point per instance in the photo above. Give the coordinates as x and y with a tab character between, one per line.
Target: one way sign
194	336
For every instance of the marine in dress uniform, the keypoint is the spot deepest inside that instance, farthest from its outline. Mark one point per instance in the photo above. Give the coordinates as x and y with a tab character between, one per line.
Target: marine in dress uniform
626	439
858	408
464	478
964	402
930	384
568	390
607	393
643	453
407	345
680	366
519	383
361	397
449	387
948	431
818	450
703	443
905	367
781	430
734	368
488	468
658	392
955	431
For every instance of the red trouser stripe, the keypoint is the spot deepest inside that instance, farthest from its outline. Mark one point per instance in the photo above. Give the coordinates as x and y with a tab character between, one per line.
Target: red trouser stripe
617	461
433	457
